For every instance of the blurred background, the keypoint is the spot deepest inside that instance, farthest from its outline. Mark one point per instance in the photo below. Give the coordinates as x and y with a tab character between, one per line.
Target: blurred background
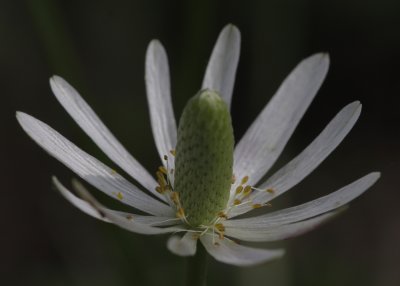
99	47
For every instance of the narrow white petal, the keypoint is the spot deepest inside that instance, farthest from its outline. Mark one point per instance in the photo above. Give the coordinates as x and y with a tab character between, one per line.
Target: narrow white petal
90	210
228	251
278	232
77	202
89	168
159	99
264	141
183	246
310	209
221	70
116	218
87	119
309	159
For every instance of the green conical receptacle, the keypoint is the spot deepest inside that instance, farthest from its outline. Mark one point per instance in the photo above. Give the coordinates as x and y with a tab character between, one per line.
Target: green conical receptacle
204	157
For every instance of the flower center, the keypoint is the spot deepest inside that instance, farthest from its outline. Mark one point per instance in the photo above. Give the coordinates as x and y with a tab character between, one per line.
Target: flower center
204	158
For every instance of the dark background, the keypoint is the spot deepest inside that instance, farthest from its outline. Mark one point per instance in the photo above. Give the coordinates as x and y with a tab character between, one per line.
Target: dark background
99	47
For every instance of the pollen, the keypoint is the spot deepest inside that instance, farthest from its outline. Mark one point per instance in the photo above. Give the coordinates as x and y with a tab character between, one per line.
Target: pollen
120	196
173	153
256	206
237	202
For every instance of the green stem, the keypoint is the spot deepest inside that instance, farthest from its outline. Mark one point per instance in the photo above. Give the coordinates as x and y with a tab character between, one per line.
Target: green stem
197	267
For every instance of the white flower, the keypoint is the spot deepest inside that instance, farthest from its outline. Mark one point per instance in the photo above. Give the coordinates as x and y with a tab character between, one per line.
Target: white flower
254	155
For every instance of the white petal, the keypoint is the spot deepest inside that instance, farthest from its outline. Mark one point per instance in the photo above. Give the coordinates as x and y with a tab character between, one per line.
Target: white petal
122	221
77	202
221	70
87	119
159	99
309	159
183	246
278	232
309	209
264	141
90	210
228	251
89	168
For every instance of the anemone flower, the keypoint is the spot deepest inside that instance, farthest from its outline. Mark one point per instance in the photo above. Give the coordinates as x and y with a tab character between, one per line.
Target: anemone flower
205	182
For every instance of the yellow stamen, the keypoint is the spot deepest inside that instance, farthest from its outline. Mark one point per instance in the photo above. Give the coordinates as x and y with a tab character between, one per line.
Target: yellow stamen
237	202
159	190
245	179
247	190
256	206
175	198
173	153
271	191
163	170
239	189
220	227
180	213
222	215
120	196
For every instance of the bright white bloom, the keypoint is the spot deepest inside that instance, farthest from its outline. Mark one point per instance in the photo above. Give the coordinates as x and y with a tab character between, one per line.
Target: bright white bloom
253	156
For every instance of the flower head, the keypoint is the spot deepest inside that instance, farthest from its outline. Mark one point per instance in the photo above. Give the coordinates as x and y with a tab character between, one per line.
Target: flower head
205	182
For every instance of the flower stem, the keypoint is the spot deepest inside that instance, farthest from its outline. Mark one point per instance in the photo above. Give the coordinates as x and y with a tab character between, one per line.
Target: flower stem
197	267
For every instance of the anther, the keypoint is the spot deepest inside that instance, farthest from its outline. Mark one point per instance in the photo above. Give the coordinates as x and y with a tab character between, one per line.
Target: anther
175	198
220	227
247	190
180	213
245	179
159	190
173	153
222	215
239	189
271	191
237	202
163	170
120	196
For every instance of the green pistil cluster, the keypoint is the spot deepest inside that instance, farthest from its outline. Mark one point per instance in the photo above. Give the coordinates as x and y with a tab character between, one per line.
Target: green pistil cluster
204	158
